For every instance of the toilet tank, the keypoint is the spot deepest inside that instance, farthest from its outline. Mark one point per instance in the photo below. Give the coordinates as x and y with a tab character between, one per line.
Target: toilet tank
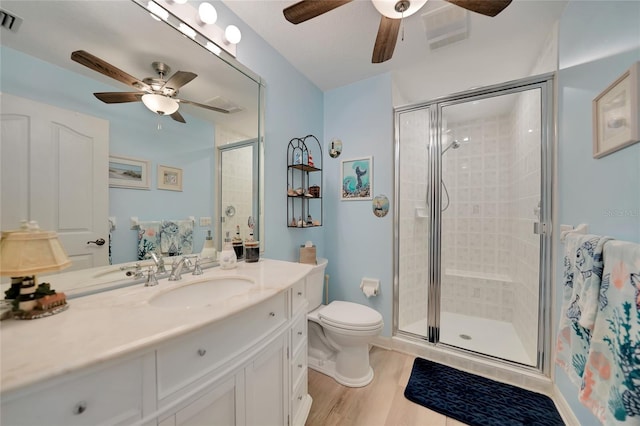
315	284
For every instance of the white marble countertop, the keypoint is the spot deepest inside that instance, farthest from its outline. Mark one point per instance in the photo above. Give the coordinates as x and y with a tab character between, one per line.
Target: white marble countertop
103	326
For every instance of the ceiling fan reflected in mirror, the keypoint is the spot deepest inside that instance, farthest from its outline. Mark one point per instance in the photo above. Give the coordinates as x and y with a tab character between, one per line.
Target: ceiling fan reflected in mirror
392	12
156	93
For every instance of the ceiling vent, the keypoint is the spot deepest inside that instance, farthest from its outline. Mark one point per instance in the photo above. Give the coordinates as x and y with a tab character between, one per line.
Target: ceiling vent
9	21
446	25
220	102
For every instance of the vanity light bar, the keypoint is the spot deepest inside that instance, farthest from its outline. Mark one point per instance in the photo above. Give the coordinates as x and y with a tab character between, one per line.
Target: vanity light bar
183	16
9	21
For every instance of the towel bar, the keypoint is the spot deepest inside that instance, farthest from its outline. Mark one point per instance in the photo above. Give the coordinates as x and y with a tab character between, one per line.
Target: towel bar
583	228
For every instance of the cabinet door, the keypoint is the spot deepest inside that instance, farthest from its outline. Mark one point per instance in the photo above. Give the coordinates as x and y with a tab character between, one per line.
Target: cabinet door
266	386
216	407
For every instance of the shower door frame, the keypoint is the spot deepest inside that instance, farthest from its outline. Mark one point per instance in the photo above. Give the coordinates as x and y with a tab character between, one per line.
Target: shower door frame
543	82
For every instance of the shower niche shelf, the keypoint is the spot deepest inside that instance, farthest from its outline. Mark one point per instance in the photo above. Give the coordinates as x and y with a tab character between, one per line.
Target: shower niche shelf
304	182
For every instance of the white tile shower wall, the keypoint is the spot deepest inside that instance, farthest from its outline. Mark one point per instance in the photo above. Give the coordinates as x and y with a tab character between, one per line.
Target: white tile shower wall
237	175
476	225
414	243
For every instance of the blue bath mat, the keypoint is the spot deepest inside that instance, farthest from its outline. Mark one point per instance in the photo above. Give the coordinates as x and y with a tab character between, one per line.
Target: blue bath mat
476	400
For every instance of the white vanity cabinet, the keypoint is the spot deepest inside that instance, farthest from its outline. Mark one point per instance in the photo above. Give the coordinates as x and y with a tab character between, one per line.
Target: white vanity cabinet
300	400
247	367
109	395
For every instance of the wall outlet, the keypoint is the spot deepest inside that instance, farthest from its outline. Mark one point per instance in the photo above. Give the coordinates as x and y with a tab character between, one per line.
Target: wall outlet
205	221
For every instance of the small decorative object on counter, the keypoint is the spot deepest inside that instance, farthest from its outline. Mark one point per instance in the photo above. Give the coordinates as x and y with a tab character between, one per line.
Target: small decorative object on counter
208	249
228	259
238	247
308	253
252	251
24	253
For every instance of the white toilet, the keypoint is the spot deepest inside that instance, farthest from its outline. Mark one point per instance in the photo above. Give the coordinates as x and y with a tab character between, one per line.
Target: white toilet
339	334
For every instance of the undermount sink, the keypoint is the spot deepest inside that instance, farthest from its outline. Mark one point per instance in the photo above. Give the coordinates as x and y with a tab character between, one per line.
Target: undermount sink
202	293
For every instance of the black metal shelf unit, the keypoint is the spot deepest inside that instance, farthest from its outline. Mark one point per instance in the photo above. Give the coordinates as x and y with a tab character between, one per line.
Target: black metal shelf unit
304	182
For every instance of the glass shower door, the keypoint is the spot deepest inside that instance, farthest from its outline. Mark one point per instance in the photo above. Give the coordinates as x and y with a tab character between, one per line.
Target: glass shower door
413	221
490	201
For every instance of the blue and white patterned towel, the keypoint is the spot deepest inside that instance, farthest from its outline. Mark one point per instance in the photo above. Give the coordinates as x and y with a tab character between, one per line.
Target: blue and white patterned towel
176	237
611	381
148	239
583	266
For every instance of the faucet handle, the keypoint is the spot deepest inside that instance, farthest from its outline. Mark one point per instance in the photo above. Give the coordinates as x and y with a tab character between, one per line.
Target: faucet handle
152	280
197	269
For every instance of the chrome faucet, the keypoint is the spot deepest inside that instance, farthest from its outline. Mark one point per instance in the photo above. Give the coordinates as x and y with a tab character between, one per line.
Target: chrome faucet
159	263
176	268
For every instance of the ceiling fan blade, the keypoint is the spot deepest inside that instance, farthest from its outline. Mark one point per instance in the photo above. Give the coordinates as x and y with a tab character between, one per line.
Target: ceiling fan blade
212	108
307	9
386	39
484	7
179	79
104	67
119	97
178	117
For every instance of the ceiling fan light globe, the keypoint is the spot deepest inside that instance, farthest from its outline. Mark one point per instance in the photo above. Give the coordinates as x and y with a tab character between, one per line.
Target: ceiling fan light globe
207	13
388	8
160	104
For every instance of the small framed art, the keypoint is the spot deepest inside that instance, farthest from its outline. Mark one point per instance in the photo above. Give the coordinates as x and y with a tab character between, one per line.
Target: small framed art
616	114
356	178
169	178
125	172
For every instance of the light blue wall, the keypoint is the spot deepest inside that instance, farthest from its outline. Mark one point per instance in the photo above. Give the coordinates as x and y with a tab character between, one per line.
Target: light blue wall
133	133
598	41
358	243
293	109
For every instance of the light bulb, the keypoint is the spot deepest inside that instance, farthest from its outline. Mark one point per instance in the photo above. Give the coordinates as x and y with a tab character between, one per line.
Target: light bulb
187	30
232	34
157	12
207	13
180	1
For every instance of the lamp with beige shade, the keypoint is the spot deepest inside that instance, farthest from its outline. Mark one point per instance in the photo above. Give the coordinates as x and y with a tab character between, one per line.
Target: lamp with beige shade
23	253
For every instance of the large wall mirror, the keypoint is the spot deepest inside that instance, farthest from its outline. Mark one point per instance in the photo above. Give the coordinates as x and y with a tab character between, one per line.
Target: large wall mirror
63	150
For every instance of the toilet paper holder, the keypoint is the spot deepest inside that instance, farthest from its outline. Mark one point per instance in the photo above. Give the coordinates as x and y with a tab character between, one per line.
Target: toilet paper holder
370	286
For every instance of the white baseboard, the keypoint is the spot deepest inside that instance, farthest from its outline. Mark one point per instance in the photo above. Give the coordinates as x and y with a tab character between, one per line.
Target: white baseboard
563	408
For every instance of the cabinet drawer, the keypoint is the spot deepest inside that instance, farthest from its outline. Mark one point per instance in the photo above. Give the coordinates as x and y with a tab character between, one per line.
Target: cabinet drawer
298	366
187	359
298	295
299	333
109	396
299	394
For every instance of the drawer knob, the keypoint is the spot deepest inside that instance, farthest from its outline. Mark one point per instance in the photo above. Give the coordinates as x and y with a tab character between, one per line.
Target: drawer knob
272	314
300	398
299	293
80	408
202	352
299	365
299	333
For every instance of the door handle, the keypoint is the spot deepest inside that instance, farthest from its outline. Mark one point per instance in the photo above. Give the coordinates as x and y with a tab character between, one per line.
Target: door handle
98	242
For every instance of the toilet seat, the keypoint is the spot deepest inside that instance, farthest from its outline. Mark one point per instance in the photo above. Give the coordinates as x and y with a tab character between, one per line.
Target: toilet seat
350	316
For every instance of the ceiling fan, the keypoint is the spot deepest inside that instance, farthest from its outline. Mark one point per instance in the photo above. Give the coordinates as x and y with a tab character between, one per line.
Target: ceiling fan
156	93
392	12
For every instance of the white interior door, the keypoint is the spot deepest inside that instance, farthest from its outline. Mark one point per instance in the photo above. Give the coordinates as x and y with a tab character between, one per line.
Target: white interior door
54	169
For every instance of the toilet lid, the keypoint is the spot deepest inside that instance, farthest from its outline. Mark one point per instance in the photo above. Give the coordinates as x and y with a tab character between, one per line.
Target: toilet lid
347	314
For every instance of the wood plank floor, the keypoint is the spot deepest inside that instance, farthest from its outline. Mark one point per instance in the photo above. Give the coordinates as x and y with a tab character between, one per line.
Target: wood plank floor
381	403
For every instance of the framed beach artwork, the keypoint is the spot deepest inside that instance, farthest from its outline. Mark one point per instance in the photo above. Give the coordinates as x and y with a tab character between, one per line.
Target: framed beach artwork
616	114
169	178
125	172
356	178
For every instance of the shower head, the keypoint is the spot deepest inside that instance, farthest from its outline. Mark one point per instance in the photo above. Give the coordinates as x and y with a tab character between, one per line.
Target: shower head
454	144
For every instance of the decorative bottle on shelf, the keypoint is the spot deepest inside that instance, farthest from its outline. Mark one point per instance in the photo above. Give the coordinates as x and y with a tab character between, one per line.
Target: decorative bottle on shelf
251	248
228	259
208	249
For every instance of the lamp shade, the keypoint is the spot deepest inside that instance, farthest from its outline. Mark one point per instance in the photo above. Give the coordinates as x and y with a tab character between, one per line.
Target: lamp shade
160	104
30	251
388	7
